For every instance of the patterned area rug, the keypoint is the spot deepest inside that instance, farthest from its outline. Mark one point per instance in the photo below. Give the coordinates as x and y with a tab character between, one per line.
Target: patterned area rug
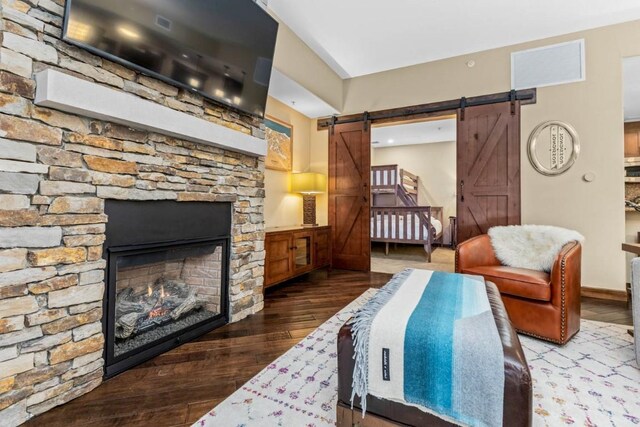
592	381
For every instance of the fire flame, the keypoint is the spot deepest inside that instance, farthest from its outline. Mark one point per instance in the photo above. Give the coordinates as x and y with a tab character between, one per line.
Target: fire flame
159	310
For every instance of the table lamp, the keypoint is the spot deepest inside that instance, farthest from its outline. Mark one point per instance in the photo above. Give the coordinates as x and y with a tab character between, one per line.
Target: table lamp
308	184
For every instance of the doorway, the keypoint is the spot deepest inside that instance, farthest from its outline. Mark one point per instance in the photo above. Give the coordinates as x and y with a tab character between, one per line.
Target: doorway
487	174
631	90
413	194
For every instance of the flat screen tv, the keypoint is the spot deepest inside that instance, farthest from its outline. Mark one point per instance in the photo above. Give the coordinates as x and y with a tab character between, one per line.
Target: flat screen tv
222	49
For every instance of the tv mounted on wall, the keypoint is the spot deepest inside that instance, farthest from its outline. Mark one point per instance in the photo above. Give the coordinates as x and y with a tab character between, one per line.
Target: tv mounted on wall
222	49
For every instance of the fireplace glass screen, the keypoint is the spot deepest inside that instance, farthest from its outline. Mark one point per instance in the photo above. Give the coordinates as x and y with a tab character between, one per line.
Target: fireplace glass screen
160	293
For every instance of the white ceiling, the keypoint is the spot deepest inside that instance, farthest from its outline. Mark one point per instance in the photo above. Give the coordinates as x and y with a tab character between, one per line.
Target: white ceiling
414	133
290	92
632	88
359	37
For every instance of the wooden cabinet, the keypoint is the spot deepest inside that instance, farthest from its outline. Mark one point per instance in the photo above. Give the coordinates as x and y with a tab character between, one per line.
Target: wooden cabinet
632	139
293	251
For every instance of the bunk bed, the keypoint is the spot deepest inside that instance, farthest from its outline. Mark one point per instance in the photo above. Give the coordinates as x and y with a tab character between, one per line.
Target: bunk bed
396	216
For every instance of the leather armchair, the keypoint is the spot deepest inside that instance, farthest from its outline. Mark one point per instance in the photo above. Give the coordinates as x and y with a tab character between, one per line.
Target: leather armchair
540	304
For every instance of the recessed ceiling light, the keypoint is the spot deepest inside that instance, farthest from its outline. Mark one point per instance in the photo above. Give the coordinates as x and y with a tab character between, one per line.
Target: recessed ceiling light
391	141
237	100
194	82
128	32
219	93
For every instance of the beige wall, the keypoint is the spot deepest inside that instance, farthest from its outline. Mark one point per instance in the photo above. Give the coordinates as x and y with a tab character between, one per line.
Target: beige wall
281	207
296	60
435	164
319	163
593	107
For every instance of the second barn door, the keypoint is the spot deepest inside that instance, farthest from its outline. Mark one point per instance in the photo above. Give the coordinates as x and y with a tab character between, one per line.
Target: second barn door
488	168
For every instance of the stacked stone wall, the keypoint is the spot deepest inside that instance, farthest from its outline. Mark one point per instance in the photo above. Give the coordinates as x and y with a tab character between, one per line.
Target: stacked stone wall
56	170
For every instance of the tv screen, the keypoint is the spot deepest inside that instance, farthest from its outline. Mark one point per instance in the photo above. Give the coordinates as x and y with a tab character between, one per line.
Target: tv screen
222	49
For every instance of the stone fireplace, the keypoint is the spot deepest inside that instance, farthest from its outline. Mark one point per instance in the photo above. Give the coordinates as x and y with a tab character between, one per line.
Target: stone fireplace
60	174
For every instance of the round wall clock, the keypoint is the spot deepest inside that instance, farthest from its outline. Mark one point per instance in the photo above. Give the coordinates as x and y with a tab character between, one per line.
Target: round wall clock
553	147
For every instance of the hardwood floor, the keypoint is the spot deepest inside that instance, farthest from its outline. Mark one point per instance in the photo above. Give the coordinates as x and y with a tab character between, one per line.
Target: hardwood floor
606	311
178	387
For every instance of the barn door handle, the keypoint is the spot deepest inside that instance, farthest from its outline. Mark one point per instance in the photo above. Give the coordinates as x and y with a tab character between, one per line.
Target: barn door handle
462	190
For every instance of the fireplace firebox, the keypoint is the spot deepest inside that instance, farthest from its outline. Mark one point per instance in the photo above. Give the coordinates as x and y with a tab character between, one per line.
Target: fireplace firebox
167	277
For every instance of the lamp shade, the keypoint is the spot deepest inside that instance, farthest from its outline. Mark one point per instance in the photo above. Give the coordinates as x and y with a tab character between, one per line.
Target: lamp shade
308	183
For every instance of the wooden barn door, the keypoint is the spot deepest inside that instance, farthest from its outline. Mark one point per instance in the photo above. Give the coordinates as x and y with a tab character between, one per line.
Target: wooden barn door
488	168
349	176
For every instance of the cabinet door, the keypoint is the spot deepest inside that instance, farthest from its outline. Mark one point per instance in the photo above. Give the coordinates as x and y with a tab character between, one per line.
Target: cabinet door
631	147
322	248
632	139
302	251
279	262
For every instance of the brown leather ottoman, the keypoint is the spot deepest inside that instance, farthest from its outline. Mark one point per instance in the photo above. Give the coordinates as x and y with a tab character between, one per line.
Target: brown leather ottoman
380	412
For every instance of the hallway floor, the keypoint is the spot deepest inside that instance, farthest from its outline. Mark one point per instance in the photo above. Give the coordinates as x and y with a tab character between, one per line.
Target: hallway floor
410	256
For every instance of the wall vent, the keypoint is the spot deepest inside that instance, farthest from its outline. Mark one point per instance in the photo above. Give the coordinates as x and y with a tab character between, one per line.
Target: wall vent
548	65
163	22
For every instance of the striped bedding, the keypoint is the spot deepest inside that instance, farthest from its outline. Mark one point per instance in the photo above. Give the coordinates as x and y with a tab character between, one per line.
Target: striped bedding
429	339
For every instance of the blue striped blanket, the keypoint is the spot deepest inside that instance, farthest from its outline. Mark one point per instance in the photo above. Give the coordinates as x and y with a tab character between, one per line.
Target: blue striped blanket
429	339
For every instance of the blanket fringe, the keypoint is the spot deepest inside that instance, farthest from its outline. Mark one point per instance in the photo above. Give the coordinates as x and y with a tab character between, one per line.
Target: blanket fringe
360	329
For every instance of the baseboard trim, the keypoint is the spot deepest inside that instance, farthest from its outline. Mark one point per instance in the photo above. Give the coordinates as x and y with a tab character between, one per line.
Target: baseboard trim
606	294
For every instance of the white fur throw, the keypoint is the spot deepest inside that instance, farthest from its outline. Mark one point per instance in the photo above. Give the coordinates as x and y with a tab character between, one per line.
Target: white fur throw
530	246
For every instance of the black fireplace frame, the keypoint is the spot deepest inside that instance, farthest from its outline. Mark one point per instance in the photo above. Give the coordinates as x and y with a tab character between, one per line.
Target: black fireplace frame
149	224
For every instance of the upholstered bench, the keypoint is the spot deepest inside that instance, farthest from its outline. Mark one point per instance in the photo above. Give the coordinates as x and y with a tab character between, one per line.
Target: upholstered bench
380	412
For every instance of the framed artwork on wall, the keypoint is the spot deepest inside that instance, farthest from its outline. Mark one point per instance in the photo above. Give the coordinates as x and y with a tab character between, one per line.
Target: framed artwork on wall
279	137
